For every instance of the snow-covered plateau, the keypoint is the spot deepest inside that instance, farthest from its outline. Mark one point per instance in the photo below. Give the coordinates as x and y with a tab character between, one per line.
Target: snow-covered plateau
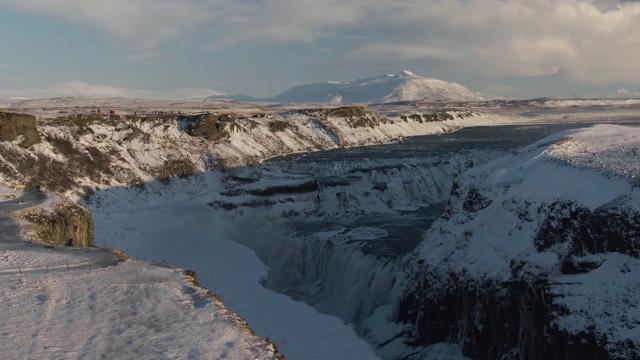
446	247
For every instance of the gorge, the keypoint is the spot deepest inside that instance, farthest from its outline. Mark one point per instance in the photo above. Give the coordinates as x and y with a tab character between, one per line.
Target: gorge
470	243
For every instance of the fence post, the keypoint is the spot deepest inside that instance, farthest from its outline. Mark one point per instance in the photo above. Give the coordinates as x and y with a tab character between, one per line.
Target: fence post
89	265
19	270
46	270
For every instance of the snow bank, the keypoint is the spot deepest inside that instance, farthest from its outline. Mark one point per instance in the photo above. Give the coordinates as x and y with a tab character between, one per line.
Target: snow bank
130	310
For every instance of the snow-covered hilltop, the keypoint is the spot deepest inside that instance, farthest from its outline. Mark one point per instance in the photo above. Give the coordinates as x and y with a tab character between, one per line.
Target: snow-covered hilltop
403	86
537	253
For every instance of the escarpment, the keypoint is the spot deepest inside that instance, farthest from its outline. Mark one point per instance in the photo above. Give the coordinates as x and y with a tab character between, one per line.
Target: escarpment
20	128
68	224
77	154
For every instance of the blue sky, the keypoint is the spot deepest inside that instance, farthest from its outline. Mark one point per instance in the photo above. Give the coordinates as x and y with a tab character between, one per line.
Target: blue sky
177	49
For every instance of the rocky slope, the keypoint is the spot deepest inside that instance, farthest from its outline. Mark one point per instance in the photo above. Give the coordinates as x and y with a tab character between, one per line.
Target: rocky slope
78	154
536	253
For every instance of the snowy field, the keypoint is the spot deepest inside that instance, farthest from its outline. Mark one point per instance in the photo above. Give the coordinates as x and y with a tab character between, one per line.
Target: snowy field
129	311
56	305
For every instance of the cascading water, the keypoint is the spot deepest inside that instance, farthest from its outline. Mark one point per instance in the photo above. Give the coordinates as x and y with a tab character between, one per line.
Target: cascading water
336	245
323	270
332	226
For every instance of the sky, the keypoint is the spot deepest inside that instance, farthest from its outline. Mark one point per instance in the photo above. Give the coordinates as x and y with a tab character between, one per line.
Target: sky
195	48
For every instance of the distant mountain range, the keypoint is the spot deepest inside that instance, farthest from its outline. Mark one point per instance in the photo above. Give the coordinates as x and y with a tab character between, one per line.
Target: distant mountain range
403	86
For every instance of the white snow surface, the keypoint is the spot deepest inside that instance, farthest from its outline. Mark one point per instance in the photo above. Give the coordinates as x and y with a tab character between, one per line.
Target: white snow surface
130	311
403	86
606	148
593	167
589	102
173	223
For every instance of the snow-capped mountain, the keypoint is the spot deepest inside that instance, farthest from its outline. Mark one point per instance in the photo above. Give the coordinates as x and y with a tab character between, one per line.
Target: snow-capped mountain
403	86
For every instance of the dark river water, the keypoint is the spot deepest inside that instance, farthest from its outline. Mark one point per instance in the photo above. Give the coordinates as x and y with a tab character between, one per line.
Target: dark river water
482	137
405	228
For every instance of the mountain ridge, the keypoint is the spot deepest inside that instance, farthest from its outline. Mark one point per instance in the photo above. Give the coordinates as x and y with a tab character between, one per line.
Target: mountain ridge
403	86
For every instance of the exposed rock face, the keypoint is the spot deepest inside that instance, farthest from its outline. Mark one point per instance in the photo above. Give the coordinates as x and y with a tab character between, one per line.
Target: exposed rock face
209	126
172	168
609	228
355	116
530	260
14	125
278	126
431	117
509	320
69	224
344	111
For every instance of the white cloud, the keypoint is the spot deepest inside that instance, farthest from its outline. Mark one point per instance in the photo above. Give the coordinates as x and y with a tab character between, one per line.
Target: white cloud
302	21
592	41
80	88
404	52
145	23
144	55
507	90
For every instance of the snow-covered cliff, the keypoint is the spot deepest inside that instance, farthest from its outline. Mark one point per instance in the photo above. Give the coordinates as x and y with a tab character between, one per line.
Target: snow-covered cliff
78	154
536	254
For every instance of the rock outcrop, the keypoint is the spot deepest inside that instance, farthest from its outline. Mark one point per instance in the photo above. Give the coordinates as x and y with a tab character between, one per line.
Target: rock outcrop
19	127
68	224
172	168
208	126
